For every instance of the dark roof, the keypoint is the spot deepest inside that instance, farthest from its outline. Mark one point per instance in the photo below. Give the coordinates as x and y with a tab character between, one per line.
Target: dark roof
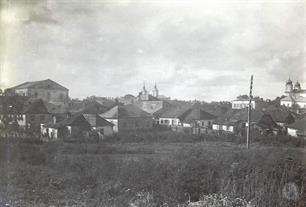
36	107
266	121
88	107
172	111
196	113
299	124
77	120
12	104
56	108
242	115
279	114
95	120
125	111
45	84
94	108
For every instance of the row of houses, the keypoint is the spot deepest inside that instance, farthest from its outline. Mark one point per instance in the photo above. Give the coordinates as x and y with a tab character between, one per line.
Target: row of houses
54	120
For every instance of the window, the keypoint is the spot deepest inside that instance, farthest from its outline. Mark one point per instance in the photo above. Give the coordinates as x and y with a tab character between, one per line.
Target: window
48	96
102	131
35	94
42	117
136	124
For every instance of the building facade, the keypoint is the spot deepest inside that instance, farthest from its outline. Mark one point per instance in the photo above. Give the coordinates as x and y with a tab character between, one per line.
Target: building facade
47	90
294	95
242	103
128	118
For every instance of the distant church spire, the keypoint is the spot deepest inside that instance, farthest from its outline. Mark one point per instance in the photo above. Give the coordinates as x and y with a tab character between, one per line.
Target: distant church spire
144	87
155	91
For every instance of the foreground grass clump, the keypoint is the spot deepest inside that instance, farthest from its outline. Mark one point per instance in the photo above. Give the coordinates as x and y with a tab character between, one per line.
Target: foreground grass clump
150	174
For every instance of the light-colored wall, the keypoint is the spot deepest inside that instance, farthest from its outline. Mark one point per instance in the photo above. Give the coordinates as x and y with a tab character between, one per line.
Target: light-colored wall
216	127
169	121
286	103
115	123
223	128
292	132
21	118
240	104
290	103
151	106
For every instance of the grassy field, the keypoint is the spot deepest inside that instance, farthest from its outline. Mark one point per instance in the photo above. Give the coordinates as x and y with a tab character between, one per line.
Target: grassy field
150	173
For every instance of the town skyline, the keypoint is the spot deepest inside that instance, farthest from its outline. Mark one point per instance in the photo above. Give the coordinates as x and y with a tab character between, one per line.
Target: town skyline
110	48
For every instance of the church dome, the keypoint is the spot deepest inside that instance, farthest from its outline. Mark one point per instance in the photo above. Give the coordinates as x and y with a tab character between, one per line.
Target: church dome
289	81
297	85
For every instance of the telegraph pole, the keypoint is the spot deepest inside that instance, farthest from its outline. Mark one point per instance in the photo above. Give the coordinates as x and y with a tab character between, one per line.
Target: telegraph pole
249	113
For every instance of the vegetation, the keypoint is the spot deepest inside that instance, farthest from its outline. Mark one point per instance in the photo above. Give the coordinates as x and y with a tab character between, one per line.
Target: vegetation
136	172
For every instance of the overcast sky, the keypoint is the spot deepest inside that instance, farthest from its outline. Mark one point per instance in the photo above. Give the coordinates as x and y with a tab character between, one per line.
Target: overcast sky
203	50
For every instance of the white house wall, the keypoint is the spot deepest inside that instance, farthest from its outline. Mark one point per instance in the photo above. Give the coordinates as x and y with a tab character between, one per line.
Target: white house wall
292	132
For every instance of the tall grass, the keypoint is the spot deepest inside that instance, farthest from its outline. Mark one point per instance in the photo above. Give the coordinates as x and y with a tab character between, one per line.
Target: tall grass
107	174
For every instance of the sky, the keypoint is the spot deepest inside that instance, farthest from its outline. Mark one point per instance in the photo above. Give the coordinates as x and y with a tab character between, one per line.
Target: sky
204	50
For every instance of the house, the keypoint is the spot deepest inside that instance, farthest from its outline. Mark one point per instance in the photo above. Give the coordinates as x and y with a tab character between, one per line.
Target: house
127	99
170	116
281	115
236	121
73	127
59	112
241	103
12	110
197	117
298	128
36	113
128	118
225	125
47	90
103	127
295	95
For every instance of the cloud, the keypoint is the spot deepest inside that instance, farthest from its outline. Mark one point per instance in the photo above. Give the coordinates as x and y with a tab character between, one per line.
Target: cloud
196	50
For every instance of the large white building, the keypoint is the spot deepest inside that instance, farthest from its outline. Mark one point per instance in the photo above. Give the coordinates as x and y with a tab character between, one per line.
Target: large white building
242	103
47	90
295	95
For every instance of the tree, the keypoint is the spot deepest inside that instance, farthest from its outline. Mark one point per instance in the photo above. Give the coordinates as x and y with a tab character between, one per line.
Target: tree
243	97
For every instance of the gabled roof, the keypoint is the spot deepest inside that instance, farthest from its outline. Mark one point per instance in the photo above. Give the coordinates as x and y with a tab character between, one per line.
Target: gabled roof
280	114
172	112
266	121
125	111
36	107
96	121
299	124
94	108
45	84
196	113
77	120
